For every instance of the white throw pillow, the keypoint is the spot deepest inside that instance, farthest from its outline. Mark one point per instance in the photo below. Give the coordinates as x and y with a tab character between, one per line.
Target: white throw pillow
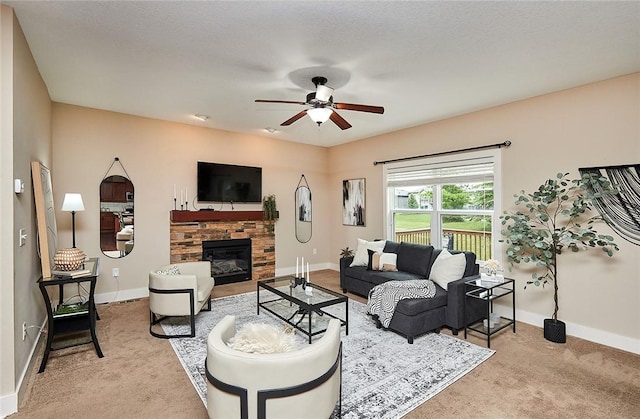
361	257
447	268
260	338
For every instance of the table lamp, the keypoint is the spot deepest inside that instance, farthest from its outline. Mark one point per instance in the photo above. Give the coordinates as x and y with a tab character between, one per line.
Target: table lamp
71	259
73	202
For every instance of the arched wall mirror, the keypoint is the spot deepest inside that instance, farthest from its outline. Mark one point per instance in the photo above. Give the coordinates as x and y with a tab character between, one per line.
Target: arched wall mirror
303	211
116	215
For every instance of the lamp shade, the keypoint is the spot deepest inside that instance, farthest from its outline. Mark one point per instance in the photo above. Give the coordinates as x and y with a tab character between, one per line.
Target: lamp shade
320	115
72	202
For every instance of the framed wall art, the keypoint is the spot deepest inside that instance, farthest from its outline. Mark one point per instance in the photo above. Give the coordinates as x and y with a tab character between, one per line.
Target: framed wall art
353	202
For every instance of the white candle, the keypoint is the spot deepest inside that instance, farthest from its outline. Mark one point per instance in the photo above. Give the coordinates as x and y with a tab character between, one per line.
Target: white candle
302	267
307	271
181	196
174	191
186	195
296	266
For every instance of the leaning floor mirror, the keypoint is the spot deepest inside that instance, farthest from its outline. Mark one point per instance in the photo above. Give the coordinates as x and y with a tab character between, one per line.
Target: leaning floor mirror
303	211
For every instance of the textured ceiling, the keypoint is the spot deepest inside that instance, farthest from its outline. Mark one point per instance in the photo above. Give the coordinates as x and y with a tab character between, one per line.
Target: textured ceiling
422	61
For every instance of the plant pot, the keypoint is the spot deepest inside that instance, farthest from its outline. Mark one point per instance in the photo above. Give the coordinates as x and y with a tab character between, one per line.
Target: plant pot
555	331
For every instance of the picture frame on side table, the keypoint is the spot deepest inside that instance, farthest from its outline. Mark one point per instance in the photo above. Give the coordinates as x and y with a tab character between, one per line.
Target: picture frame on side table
353	202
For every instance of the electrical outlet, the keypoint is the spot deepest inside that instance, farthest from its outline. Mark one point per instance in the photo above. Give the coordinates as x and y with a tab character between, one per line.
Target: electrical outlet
315	251
22	237
24	330
115	272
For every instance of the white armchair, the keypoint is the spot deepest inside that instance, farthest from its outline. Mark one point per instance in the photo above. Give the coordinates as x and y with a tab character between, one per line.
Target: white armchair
304	383
182	289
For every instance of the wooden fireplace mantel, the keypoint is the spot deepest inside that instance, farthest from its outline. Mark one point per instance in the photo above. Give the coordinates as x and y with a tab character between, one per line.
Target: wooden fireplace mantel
209	215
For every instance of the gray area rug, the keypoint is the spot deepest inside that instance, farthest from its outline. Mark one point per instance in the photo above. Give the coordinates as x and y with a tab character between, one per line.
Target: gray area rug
383	376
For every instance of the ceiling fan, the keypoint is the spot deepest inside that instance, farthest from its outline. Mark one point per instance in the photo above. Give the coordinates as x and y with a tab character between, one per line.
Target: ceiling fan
322	107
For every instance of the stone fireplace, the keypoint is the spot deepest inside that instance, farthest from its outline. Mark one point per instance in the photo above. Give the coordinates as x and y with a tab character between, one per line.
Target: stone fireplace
189	229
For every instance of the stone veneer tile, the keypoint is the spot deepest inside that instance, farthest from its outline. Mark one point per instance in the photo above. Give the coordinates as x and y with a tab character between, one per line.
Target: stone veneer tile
186	242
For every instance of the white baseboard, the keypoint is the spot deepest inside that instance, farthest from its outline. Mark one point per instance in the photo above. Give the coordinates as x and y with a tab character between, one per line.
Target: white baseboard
8	404
602	337
312	268
123	295
594	335
576	330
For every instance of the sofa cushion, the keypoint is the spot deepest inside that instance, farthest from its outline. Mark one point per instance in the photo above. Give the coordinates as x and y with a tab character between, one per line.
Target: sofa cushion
362	256
413	306
414	258
379	277
391	247
447	268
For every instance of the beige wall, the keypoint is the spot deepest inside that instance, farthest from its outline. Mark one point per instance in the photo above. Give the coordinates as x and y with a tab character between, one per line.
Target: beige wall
26	136
592	125
157	155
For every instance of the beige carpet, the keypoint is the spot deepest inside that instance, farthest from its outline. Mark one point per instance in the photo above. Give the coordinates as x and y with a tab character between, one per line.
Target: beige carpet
141	377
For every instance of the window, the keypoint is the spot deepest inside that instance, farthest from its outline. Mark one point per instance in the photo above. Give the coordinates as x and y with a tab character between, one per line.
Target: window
447	201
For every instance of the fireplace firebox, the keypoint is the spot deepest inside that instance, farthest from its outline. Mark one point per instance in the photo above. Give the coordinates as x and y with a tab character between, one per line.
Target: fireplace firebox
230	259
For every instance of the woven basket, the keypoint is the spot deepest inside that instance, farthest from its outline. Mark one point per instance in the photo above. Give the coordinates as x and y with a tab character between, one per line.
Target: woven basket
69	259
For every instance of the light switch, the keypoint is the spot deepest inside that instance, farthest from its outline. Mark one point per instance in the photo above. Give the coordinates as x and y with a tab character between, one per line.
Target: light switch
18	186
22	240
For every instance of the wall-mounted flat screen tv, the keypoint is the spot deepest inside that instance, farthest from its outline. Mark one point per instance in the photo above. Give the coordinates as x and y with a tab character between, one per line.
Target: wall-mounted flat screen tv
229	183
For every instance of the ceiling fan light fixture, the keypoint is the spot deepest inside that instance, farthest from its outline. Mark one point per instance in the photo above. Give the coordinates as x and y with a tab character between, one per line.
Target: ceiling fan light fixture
319	115
323	93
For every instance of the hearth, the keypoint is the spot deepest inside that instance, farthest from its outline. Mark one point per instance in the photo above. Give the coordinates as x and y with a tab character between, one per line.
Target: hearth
230	259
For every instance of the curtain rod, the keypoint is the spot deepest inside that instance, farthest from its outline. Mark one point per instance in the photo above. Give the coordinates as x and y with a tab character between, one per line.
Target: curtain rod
506	143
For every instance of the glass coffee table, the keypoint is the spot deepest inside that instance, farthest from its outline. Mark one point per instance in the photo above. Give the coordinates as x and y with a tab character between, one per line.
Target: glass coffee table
308	312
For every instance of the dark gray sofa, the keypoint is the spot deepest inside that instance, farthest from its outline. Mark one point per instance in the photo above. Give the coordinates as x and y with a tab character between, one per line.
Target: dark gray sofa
413	317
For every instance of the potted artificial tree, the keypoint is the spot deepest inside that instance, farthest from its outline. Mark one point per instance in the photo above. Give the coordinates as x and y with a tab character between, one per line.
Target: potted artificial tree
549	221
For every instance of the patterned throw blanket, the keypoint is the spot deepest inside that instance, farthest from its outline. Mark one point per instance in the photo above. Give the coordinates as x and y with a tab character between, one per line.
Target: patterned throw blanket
383	298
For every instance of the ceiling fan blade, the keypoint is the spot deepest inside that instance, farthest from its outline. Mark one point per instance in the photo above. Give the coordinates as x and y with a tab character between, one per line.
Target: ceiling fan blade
339	121
294	118
280	101
361	108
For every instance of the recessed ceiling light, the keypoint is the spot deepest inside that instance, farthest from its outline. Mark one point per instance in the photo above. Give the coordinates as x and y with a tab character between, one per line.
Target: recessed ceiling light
201	117
270	130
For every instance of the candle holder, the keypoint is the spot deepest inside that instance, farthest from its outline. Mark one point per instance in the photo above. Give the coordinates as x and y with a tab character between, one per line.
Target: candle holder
295	281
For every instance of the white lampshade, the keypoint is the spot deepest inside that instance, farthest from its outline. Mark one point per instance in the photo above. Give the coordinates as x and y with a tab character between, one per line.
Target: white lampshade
72	202
320	115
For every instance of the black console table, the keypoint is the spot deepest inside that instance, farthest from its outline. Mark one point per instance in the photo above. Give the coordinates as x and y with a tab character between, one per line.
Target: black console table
66	319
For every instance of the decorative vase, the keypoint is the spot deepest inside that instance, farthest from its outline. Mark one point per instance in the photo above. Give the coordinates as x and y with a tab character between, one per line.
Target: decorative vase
555	331
69	259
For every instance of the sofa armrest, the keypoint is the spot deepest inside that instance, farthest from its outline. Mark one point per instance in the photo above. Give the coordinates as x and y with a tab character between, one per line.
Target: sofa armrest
344	263
456	294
